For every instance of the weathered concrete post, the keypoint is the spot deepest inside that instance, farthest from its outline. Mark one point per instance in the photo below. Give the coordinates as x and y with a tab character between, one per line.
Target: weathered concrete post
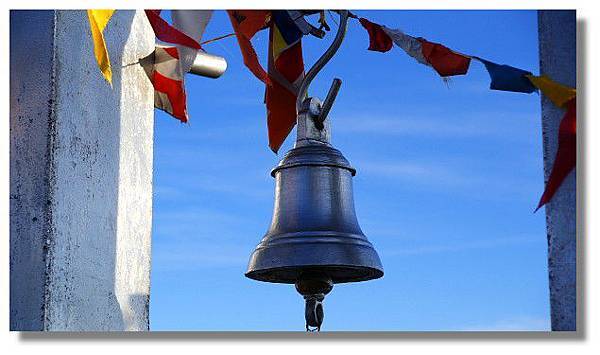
80	174
557	43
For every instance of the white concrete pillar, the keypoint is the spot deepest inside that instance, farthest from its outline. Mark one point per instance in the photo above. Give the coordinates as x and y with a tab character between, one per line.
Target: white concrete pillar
80	174
557	44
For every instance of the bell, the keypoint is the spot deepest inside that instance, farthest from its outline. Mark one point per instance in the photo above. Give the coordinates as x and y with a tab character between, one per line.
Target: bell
314	240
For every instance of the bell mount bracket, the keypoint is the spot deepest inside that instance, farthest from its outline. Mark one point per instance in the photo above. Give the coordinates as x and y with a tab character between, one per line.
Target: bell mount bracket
316	110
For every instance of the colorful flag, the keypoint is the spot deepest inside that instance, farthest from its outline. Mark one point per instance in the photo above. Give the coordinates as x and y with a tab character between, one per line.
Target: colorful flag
379	40
167	33
445	61
98	20
245	25
286	70
507	78
409	44
167	78
191	23
559	94
566	154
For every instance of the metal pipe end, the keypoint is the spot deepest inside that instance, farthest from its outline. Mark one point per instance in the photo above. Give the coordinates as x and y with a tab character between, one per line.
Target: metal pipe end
208	65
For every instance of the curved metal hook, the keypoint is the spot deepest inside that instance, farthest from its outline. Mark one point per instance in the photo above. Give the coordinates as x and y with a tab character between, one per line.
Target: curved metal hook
320	63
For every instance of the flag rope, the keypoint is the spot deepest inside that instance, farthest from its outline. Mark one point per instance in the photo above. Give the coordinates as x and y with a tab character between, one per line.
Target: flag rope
217	38
445	61
448	62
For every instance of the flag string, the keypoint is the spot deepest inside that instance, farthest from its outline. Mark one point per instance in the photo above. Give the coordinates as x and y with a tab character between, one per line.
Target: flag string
217	38
448	62
445	61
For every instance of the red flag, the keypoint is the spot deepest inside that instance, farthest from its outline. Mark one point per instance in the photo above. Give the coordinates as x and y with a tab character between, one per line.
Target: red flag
445	61
245	25
566	154
280	101
378	40
286	70
167	33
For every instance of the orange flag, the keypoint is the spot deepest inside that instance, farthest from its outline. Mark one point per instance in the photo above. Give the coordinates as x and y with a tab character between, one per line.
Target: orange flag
245	25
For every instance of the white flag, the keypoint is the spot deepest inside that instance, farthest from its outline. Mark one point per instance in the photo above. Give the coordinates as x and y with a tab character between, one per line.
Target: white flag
409	44
192	23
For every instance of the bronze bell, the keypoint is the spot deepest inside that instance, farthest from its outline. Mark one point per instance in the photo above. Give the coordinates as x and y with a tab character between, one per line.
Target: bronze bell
314	240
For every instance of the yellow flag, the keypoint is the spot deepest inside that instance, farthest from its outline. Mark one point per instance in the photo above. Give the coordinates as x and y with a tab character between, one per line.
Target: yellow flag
557	93
98	20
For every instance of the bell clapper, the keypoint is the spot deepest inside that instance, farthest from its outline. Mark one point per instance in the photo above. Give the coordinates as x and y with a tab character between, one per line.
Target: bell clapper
313	286
313	312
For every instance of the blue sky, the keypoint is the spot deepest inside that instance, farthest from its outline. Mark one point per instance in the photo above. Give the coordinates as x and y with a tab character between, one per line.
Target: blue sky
448	178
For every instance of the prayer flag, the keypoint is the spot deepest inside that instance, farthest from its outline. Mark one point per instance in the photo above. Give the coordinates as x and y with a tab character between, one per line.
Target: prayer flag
566	154
98	20
445	61
286	70
559	94
167	78
507	78
409	44
379	40
191	23
167	33
245	25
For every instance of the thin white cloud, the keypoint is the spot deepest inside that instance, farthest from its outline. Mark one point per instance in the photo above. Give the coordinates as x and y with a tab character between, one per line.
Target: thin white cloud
451	246
458	176
420	172
203	183
399	126
437	124
201	223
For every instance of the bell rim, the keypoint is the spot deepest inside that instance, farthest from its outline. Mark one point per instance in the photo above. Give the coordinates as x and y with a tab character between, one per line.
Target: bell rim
370	273
346	257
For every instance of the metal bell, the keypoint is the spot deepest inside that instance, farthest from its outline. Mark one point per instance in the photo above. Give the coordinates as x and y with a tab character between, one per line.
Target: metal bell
314	240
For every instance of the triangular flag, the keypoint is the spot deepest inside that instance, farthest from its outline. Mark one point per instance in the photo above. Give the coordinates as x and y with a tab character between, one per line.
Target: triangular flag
245	25
98	20
192	23
559	94
286	70
566	154
507	78
167	33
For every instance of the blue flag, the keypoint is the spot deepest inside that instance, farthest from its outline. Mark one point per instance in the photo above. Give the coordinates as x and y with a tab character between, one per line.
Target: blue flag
507	78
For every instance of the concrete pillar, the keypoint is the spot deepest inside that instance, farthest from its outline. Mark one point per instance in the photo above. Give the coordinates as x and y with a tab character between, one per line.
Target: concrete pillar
557	44
80	174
